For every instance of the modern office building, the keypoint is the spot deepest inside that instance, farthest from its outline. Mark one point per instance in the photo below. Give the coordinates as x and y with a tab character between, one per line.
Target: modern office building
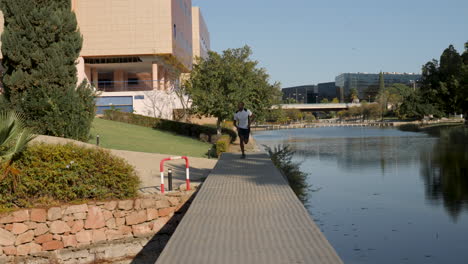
134	52
327	90
365	82
201	36
306	94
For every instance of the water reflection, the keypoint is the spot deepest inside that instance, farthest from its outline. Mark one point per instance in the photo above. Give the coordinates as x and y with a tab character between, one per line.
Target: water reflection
445	171
361	153
386	196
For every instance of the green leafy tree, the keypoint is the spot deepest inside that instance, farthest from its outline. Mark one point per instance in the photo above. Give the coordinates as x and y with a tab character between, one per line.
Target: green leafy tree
219	82
290	101
444	85
353	95
40	45
381	82
335	101
324	101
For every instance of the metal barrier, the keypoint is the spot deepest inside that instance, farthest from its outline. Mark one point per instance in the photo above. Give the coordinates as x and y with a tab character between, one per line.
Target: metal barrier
187	172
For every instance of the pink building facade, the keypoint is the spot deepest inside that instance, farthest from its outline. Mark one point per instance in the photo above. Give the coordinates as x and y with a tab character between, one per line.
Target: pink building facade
134	52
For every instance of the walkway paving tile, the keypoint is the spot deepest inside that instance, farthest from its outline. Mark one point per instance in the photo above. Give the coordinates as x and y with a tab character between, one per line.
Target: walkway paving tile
246	213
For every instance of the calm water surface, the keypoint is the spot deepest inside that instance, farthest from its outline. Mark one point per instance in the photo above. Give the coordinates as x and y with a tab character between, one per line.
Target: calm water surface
382	195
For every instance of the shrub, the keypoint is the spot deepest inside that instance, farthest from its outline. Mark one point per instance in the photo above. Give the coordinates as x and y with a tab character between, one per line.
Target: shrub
222	145
282	158
4	106
66	173
180	128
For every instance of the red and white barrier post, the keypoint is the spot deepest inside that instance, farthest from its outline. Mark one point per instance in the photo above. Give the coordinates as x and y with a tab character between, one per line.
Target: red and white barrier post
187	171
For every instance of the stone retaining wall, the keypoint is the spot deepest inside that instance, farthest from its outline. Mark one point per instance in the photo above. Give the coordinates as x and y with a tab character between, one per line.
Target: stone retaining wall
75	233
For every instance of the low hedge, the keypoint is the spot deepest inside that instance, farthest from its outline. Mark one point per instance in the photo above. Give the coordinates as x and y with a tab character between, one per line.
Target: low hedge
66	173
180	128
222	145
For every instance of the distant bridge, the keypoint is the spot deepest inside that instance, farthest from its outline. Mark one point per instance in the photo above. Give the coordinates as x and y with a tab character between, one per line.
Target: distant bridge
317	107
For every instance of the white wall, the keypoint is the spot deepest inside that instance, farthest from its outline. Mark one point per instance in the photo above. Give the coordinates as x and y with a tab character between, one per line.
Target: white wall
156	103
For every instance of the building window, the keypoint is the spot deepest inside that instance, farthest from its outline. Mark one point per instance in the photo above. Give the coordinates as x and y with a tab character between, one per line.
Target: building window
139	97
133	81
175	31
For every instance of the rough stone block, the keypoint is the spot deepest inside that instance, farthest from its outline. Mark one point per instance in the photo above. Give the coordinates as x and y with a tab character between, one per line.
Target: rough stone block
99	235
25	238
73	209
39	215
19	228
160	223
23	250
80	216
162	204
57	237
68	218
119	221
141	230
41	229
59	227
119	214
54	213
6	238
110	205
136	218
125	205
84	236
34	248
31	225
148	203
166	211
111	223
107	215
95	218
77	226
137	204
151	214
43	238
122	232
69	241
9	251
52	245
174	201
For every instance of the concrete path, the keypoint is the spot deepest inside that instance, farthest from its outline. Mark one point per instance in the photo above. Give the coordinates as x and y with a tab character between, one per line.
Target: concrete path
245	212
147	165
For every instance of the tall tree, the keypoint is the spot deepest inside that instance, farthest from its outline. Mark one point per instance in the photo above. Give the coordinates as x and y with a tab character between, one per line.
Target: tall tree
220	81
381	82
40	46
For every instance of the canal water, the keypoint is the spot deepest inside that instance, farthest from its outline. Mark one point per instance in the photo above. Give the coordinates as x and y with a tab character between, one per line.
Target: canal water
383	195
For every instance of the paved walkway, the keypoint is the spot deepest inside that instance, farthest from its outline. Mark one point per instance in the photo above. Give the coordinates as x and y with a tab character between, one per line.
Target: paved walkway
246	213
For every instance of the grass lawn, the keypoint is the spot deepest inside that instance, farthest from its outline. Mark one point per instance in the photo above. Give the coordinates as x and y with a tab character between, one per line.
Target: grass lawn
117	135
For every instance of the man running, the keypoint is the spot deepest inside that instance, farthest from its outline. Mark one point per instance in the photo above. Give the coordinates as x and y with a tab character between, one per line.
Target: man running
242	120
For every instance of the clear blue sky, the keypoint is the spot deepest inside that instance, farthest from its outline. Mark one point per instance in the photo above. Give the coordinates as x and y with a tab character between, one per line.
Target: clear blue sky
308	41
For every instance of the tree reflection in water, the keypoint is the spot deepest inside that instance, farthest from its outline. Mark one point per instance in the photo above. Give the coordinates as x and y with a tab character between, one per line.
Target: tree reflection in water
445	170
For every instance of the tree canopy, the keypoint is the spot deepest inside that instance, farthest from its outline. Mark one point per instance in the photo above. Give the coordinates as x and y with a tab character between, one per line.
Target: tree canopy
444	84
220	81
40	46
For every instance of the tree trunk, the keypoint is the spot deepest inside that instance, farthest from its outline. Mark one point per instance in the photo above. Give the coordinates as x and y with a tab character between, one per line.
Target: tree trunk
218	126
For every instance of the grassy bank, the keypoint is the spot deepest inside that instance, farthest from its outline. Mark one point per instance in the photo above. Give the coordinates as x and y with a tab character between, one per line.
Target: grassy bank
118	135
432	129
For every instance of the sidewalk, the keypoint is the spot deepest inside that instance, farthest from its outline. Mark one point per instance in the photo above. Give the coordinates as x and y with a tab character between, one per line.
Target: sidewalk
245	212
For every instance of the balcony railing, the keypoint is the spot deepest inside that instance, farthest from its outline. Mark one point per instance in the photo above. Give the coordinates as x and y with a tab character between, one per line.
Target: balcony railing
120	86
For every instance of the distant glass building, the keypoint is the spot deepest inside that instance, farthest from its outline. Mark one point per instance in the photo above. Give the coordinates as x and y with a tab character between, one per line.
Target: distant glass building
327	90
306	94
367	84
